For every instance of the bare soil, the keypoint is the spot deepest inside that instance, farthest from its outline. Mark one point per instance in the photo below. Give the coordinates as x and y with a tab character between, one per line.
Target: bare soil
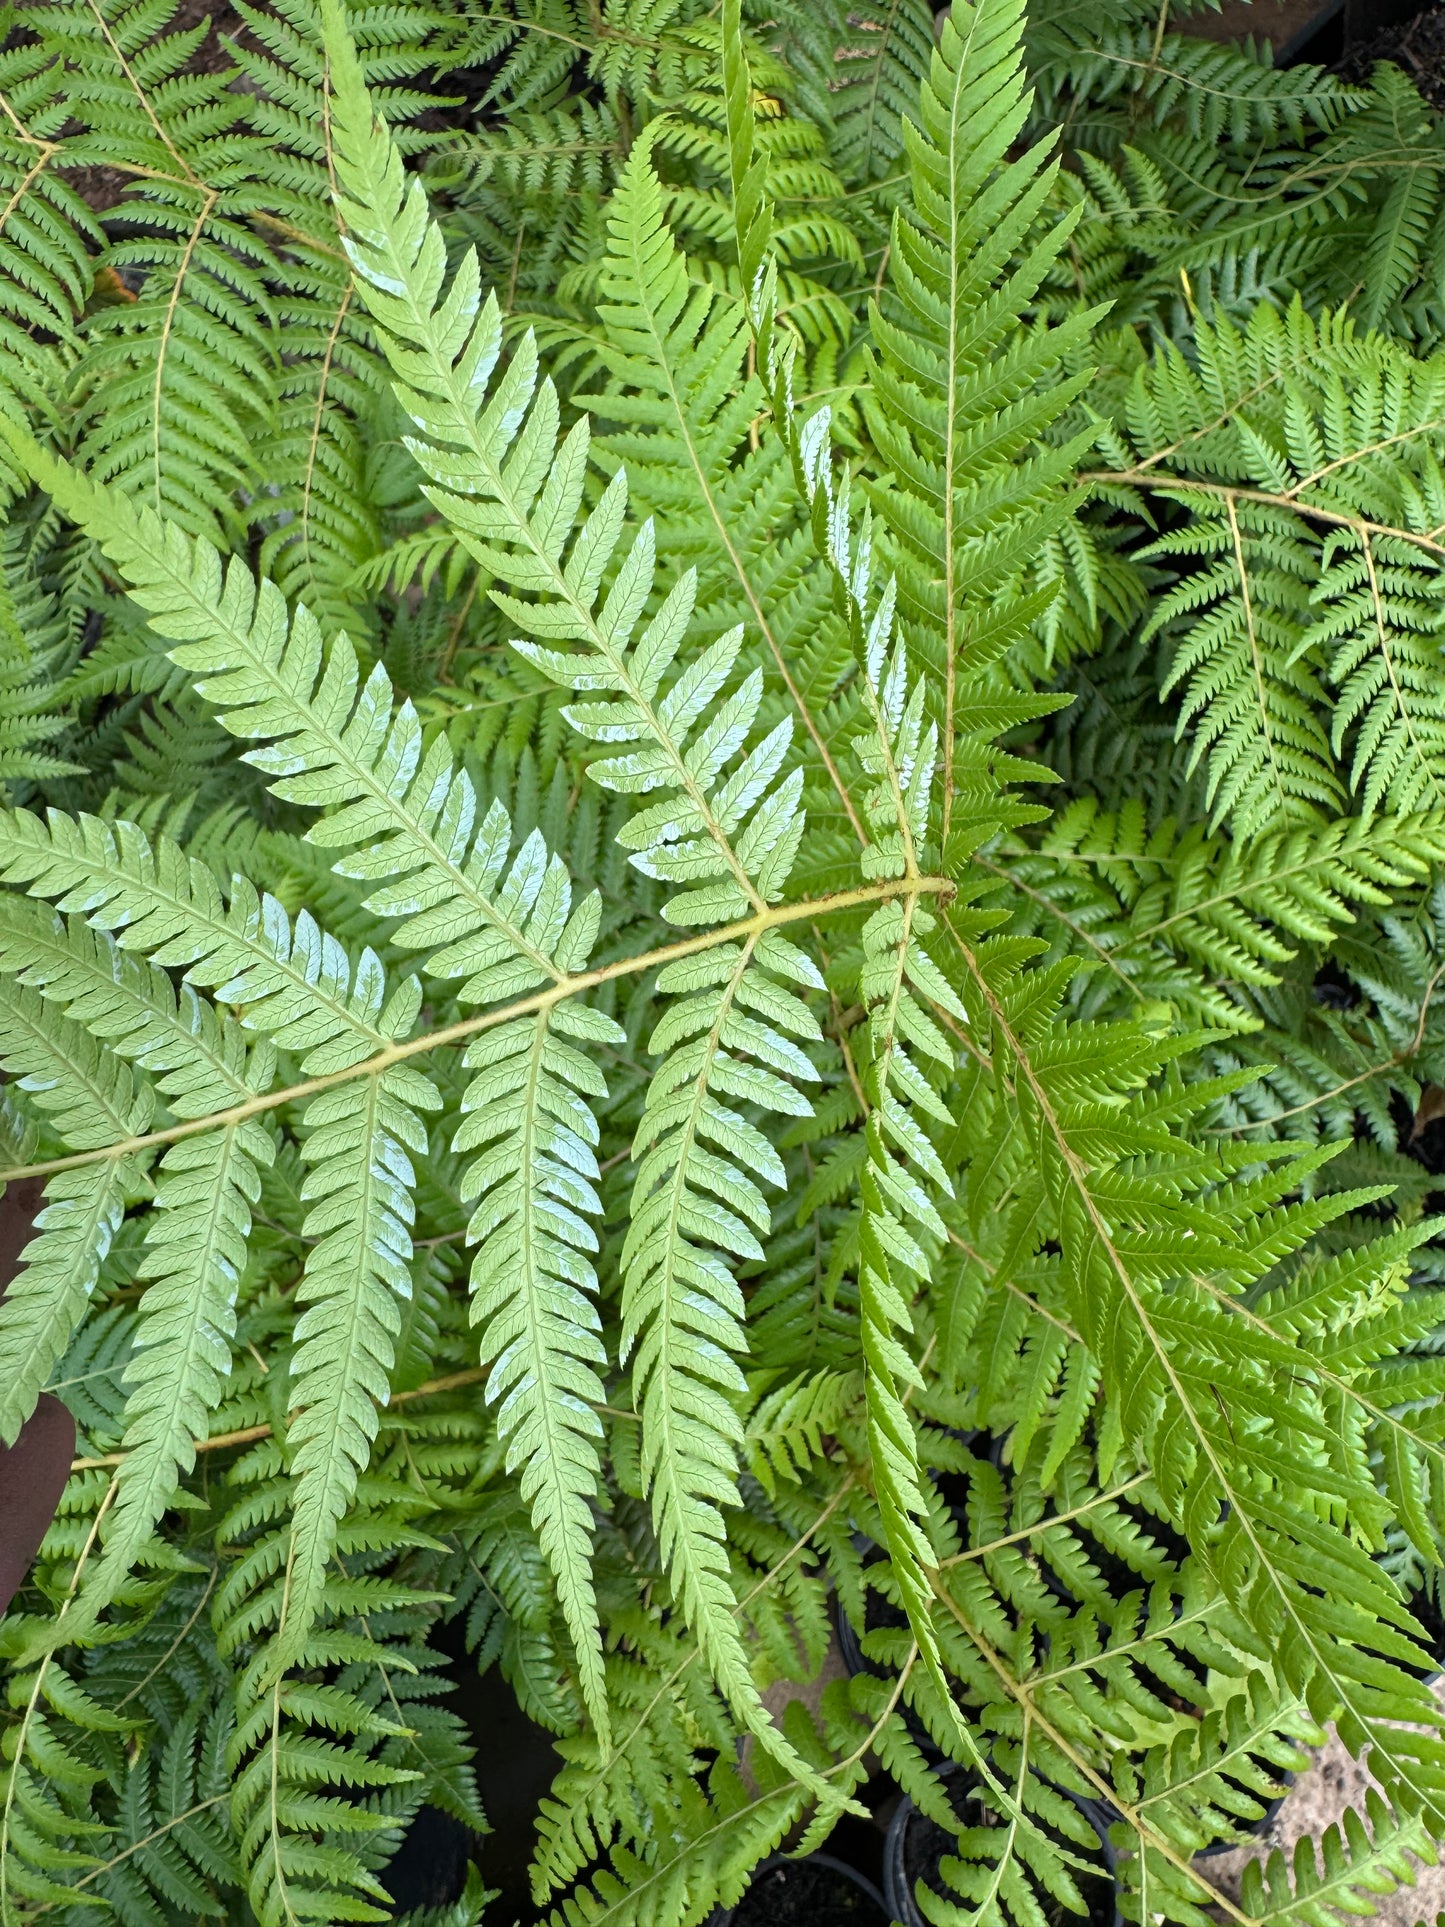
1417	46
1318	1800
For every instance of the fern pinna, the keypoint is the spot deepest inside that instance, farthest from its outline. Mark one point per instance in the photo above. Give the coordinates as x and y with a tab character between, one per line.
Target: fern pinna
583	1094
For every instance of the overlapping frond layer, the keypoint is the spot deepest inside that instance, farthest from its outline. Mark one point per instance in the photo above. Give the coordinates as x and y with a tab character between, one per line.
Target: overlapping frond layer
501	925
1054	1164
1183	916
578	1092
675	350
1302	631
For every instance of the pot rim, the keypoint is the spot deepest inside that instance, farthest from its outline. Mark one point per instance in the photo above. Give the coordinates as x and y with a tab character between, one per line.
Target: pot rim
723	1917
898	1894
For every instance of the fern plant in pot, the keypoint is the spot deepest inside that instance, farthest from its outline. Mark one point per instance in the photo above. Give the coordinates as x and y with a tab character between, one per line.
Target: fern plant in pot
579	1078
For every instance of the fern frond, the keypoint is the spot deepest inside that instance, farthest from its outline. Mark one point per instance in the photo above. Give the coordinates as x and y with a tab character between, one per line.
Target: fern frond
651	653
1314	561
534	1283
1222	91
518	939
953	156
513	495
170	1848
973	465
884	53
195	1254
359	1187
786	1431
1375	1852
94	1100
1251	702
29	711
675	351
296	985
1191	918
60	1267
311	1763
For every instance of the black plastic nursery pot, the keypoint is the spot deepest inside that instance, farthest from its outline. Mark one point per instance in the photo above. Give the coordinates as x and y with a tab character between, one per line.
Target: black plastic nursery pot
33	1472
431	1866
516	1762
34	1469
1409	35
879	1613
916	1846
816	1891
1427	1609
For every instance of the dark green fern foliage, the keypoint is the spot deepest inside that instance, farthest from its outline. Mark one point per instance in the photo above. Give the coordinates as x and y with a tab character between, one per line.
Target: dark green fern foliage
723	806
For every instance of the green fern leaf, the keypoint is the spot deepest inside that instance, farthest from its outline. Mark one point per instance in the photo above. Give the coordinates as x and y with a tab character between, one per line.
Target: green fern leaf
359	1187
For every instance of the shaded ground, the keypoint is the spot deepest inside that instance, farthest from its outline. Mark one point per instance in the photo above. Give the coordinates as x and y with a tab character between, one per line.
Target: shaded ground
1417	46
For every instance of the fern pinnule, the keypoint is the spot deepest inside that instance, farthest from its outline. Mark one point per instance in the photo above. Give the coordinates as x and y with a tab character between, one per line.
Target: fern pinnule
195	1254
357	1140
96	1100
533	1181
